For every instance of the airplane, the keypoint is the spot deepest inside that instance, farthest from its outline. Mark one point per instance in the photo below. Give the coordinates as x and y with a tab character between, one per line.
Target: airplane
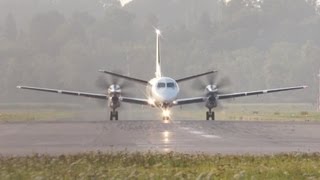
161	92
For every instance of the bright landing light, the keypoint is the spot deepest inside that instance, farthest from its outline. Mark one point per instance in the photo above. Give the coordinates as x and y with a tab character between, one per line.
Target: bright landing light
151	101
158	31
125	2
166	113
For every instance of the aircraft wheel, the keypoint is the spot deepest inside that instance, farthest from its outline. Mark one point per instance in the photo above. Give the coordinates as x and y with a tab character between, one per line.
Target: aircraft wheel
207	117
212	116
114	115
166	118
111	116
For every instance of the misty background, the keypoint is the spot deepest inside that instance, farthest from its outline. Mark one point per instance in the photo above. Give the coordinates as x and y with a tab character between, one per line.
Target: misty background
63	43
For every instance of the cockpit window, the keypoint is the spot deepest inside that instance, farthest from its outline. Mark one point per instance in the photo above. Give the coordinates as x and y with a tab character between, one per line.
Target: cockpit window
161	85
170	85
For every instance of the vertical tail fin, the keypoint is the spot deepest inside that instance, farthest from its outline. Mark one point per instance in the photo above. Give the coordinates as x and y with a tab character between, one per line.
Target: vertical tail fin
158	58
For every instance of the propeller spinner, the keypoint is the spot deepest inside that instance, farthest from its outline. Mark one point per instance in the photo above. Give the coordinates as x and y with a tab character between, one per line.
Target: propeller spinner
212	87
113	86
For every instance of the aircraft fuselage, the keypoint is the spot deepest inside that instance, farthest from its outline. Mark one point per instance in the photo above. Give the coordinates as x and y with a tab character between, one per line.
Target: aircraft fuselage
162	92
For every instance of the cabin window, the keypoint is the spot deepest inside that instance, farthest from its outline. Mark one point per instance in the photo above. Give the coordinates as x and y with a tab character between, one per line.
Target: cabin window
161	85
170	85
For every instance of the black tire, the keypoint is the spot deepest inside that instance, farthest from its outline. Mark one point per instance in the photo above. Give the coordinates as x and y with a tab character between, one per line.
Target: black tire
207	116
116	116
213	116
165	118
111	116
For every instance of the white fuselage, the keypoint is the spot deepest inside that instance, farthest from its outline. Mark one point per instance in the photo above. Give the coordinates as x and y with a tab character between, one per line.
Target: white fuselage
162	92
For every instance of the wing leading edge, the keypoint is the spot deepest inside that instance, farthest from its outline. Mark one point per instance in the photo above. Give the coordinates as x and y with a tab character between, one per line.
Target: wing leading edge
73	93
252	93
85	94
195	76
236	95
134	101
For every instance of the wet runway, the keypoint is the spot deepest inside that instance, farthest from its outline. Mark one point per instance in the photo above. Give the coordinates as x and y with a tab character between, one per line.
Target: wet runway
226	137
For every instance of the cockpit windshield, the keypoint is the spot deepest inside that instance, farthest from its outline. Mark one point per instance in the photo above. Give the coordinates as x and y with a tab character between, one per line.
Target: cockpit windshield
170	85
161	85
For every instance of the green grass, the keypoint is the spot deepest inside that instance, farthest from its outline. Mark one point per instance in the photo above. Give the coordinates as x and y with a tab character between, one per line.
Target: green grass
34	116
125	165
271	116
259	112
36	112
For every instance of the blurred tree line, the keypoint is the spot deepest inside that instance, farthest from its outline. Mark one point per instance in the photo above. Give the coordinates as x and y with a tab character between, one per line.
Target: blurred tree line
62	43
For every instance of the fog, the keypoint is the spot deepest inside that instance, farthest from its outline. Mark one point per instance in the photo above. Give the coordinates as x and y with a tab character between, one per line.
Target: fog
63	43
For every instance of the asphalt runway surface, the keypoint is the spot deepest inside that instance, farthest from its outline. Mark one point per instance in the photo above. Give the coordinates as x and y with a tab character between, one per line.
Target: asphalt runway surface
225	137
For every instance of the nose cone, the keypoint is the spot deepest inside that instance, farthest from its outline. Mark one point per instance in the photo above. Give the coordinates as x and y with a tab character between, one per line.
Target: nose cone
167	96
165	90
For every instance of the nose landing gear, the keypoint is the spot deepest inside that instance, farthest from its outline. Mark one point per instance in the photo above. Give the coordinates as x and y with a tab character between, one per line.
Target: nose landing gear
166	114
165	118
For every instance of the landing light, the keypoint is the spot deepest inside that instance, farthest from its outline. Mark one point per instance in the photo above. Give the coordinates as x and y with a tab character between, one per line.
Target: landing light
166	113
166	121
158	31
151	101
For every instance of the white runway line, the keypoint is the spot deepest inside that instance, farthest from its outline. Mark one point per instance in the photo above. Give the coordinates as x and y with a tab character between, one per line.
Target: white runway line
211	136
202	134
196	132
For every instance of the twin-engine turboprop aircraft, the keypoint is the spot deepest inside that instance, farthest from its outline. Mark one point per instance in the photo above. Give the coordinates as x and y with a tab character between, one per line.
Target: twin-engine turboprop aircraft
162	92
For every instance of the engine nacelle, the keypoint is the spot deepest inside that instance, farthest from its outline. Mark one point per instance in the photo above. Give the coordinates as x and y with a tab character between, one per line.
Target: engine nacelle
212	101
114	102
114	93
211	93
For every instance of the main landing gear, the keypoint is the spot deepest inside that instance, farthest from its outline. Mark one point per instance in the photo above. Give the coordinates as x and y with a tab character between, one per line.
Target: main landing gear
114	115
210	115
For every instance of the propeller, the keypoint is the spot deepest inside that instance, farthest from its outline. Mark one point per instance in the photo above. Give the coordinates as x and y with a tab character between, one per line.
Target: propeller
212	85
104	83
219	84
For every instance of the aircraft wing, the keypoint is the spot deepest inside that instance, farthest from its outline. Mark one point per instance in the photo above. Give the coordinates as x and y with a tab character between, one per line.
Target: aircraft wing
73	93
134	100
189	100
195	76
242	94
235	95
144	82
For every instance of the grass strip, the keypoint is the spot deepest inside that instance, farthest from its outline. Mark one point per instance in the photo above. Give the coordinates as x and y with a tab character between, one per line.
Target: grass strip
34	116
138	165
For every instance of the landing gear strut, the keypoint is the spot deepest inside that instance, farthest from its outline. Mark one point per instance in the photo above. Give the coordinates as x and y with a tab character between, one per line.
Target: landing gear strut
210	115
114	115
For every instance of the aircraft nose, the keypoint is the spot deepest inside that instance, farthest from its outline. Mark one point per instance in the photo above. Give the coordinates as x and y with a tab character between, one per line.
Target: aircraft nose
168	97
